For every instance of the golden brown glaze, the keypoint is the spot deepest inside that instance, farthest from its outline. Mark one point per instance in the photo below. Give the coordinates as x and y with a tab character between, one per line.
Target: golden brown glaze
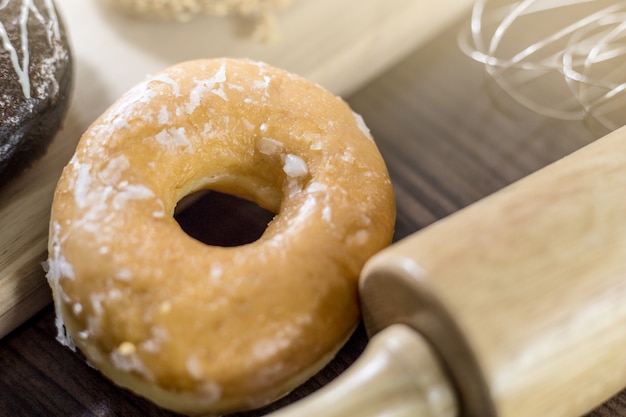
200	328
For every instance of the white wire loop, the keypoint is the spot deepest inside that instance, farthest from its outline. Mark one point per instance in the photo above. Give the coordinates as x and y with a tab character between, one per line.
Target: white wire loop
562	58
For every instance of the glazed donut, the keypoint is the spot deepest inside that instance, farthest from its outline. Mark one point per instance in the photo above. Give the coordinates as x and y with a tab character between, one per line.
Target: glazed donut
35	81
199	328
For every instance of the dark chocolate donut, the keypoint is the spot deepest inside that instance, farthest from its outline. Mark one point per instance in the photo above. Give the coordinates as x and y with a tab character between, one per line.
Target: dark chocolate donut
35	81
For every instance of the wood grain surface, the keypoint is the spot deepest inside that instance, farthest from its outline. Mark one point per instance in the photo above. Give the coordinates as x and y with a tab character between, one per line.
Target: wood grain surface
449	139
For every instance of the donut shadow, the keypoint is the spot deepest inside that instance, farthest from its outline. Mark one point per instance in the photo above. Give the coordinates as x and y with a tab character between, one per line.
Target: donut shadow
202	36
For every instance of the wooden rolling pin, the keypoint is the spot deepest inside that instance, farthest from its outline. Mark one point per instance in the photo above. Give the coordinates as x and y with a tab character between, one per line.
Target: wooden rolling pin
512	307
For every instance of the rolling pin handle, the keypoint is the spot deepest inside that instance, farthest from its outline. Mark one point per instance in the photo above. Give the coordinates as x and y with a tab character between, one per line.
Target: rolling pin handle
397	376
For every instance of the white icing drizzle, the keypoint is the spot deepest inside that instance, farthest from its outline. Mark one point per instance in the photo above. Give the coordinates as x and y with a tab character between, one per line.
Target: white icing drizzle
127	192
82	185
22	68
130	104
248	124
294	166
211	392
58	266
362	126
194	368
164	115
215	275
174	138
269	146
54	20
347	156
236	87
112	173
264	84
104	194
77	308
296	170
153	344
124	275
164	78
327	214
96	303
214	85
267	348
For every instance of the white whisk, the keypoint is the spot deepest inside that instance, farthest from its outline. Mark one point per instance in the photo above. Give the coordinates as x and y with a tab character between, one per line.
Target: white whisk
561	58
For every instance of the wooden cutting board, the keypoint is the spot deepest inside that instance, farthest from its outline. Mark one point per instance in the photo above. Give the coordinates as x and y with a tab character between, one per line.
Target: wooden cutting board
339	44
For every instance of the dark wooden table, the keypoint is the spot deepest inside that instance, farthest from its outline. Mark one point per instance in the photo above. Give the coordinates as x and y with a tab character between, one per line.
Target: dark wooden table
448	139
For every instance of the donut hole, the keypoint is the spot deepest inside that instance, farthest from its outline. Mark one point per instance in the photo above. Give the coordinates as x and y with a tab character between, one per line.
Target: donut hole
220	219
